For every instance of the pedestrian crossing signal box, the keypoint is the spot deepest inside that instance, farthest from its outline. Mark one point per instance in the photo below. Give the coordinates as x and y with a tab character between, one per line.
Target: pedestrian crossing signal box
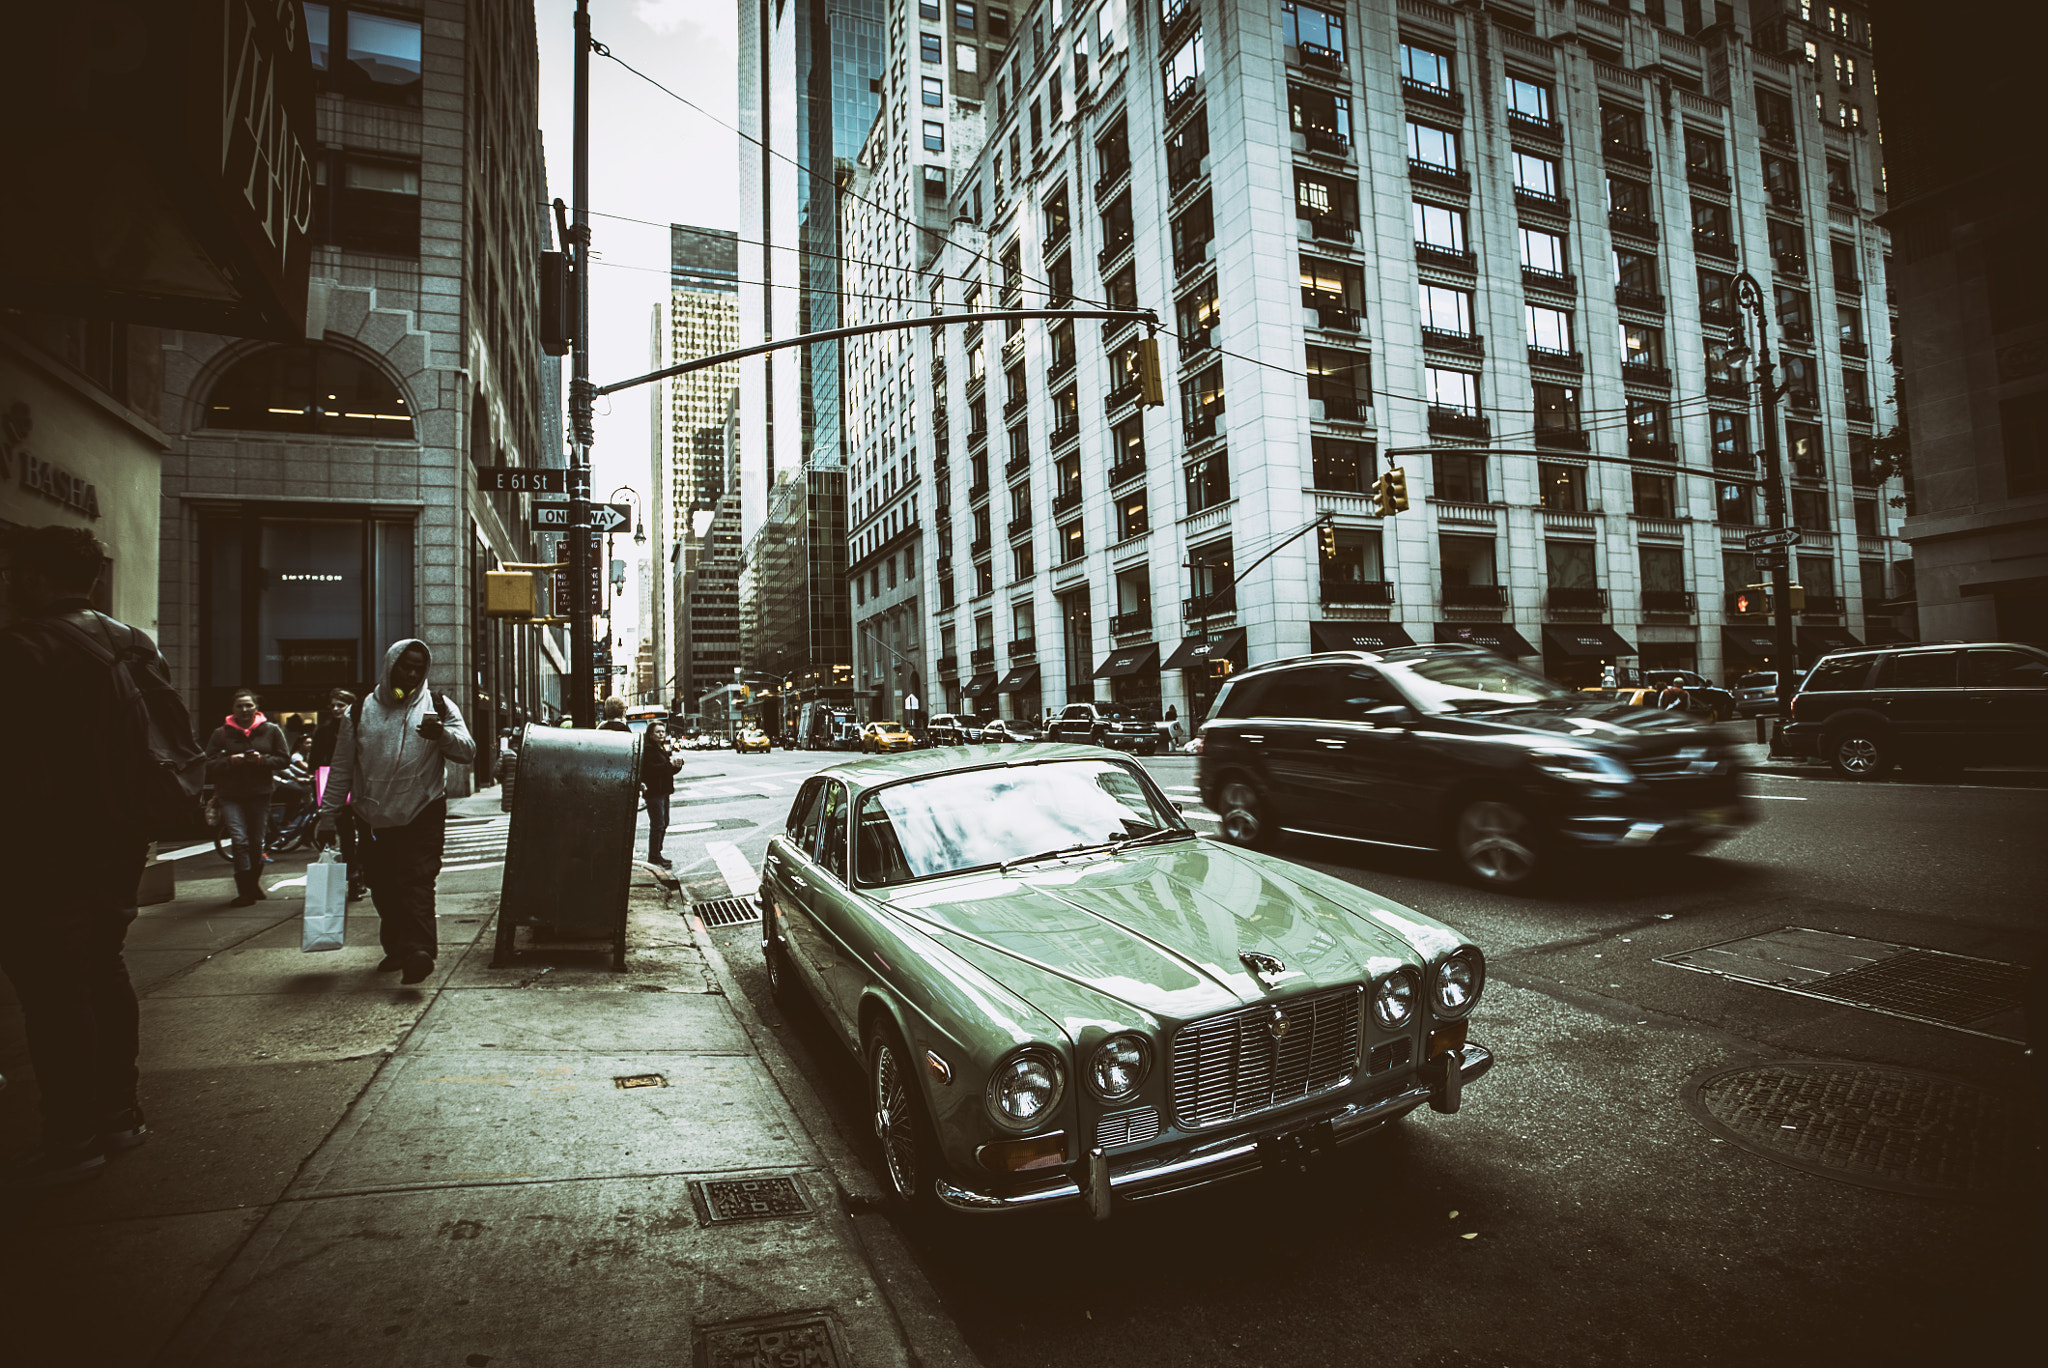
1151	384
508	593
1220	667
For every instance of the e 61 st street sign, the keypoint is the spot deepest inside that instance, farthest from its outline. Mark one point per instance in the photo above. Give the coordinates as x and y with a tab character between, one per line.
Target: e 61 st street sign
603	517
1777	536
518	480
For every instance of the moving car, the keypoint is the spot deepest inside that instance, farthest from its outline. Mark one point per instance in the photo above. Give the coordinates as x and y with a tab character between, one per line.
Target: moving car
1756	694
751	739
883	737
1455	748
951	729
1934	709
1117	726
1060	993
1000	730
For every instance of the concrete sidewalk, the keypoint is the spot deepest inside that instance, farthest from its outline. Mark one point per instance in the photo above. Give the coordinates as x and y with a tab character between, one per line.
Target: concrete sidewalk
344	1170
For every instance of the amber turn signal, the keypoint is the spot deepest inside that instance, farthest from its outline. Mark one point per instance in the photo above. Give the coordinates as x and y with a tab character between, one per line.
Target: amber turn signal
1022	1156
1446	1038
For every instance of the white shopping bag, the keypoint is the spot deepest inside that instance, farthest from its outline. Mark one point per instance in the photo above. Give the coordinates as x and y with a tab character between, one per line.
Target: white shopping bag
326	903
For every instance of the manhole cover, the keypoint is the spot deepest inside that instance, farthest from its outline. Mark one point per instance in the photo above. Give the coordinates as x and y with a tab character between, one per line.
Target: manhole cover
1897	1129
639	1081
728	911
809	1341
747	1199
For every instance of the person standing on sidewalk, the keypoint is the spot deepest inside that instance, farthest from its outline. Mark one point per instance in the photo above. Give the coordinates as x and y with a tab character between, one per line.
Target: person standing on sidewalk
658	781
390	761
320	759
247	753
73	838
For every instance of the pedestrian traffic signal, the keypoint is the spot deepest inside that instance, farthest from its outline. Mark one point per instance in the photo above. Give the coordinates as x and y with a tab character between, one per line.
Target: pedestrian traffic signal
1219	667
1383	496
1326	534
1755	599
1797	594
1397	489
557	304
1151	389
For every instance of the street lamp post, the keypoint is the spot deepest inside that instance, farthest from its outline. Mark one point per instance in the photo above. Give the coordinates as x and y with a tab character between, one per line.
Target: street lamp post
1750	295
639	539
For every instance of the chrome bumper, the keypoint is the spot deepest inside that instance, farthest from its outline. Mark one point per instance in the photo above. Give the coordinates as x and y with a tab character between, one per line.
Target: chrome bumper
1098	1184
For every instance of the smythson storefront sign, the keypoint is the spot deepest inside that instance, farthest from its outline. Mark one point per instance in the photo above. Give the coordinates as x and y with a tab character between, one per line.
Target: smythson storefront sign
160	150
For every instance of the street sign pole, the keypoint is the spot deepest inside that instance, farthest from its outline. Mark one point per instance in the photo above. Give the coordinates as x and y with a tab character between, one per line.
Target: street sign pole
582	694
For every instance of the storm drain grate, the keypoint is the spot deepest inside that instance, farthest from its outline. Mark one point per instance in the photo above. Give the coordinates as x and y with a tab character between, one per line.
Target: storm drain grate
728	911
1929	986
748	1199
812	1341
1897	1129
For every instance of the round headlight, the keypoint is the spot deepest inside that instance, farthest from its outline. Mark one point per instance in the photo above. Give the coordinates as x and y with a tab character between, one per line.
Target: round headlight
1025	1088
1457	983
1393	999
1118	1067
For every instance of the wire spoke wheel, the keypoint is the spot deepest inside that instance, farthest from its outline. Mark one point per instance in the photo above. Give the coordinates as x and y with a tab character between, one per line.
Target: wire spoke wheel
1497	842
896	1121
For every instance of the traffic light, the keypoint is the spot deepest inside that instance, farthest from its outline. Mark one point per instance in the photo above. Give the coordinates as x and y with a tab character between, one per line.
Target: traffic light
1397	489
746	692
1797	593
1326	534
557	303
1383	496
1151	389
1755	599
1220	667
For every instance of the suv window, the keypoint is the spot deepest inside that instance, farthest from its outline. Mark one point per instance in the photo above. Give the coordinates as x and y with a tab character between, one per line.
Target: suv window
1757	681
1078	712
1998	668
803	816
1833	676
1364	690
1926	670
1316	692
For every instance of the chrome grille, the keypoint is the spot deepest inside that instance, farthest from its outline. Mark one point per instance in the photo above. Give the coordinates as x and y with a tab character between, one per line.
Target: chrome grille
1233	1065
1127	1128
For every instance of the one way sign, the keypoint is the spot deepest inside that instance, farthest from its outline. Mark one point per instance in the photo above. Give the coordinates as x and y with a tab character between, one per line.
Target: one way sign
603	517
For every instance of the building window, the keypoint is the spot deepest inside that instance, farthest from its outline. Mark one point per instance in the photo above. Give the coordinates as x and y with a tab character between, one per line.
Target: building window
1536	175
934	136
1201	402
1353	557
1656	496
1466	561
1663	574
1543	252
1341	465
1635	273
1549	330
1332	285
1704	152
1185	152
1132	515
1185	67
998	22
984	578
934	91
1305	25
1642	348
1023	565
1528	100
1460	475
1810	511
1803	446
1802	388
1621	127
1866	519
1729	435
1325	199
1445	310
1426	67
368	204
1072	545
381	54
1341	381
935	182
1432	146
1322	117
963	16
1735	504
1628	197
1717	296
309	387
1207	481
1193	230
1453	390
931	47
1560	488
966	59
1439	227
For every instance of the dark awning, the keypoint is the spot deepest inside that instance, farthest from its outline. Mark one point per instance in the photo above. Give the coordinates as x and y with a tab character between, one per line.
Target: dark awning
1023	677
1494	636
1815	642
1129	661
1593	640
1357	636
1194	651
985	682
1756	643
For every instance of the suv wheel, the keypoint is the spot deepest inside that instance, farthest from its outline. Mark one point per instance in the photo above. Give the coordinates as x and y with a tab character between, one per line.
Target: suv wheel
1859	752
1244	817
1498	843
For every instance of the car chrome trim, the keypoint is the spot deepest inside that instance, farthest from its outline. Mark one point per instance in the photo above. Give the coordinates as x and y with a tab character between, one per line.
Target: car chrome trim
1250	1060
1230	1159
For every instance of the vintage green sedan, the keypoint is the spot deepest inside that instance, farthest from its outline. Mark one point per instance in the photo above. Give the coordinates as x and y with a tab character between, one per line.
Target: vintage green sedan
1061	992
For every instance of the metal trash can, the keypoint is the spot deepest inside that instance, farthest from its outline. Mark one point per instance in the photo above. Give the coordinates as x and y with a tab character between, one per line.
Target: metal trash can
569	858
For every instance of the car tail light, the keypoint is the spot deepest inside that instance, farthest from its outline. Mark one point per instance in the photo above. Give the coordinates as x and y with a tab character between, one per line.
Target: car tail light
1795	707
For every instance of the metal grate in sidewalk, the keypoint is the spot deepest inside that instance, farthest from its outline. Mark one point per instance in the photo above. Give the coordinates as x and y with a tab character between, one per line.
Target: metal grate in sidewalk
728	911
1927	986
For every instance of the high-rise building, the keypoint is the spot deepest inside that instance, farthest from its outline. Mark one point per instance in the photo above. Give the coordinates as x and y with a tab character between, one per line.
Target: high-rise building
703	321
1494	247
320	497
708	601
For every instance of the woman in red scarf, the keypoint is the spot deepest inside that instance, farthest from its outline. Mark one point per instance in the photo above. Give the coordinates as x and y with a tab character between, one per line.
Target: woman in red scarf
243	760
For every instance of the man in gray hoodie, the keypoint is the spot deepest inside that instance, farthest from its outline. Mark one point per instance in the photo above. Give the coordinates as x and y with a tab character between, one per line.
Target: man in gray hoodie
390	761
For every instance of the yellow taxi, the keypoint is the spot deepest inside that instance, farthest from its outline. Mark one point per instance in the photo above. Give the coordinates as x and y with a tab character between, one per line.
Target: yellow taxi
751	739
883	737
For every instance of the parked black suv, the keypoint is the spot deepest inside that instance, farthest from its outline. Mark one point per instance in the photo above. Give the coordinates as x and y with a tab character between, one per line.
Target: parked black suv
1934	709
1455	748
1105	724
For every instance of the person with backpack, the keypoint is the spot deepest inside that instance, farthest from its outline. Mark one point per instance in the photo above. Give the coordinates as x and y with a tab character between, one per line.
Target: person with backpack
79	806
391	754
247	753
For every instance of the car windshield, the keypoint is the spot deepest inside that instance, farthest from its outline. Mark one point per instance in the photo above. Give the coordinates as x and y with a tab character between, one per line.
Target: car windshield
1756	681
983	818
1469	683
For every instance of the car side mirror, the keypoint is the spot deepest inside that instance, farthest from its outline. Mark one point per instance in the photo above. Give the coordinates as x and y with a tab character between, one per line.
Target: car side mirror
1391	715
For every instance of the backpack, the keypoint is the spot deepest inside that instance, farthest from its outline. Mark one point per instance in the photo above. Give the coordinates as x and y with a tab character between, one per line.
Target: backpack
171	770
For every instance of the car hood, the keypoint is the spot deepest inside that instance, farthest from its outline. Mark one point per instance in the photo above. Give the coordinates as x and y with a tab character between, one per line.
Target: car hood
1162	930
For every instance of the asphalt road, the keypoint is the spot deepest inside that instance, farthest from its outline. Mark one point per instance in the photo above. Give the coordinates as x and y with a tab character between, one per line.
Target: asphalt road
1574	1211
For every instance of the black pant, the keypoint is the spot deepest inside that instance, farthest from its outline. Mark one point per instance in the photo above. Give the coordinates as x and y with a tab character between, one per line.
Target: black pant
346	828
79	1009
402	863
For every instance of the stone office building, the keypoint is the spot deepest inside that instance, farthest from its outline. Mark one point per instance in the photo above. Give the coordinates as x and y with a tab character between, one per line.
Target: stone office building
1494	246
319	496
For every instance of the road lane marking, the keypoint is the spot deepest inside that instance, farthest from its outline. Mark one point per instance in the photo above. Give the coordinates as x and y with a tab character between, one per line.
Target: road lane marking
185	854
740	879
1779	798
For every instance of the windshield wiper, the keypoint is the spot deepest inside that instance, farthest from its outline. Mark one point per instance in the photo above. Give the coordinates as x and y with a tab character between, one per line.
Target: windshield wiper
1152	838
1054	854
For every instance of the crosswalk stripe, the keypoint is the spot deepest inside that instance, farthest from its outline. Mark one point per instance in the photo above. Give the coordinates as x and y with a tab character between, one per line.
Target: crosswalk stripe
740	879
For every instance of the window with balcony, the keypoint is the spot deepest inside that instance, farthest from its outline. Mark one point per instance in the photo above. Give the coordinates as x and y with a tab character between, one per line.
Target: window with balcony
1649	429
1133	602
1440	231
1184	69
1459	476
1774	112
1196	316
1856	394
1841	183
1112	154
1728	436
1126	450
1849	329
1059	279
1201	402
1185	152
1453	391
1073	545
1317	32
1207	481
1322	117
1023	626
1788	247
1548	330
1535	175
1023	561
1329	203
1020	503
1559	488
1735	504
1706	157
1116	227
1336	290
1059	339
1529	102
1210	576
1621	131
1426	69
1013	389
1123	287
1432	149
1341	465
1133	514
1628	203
1468	564
1573	576
1803	451
1446	311
1781	182
1635	279
1037	128
1066	483
1713	229
1842	256
1642	348
1543	254
984	578
1717	296
1725	376
1862	466
1867	524
1352	568
1194	228
1795	315
1802	382
1057	220
1341	381
1811	511
1656	496
1663	578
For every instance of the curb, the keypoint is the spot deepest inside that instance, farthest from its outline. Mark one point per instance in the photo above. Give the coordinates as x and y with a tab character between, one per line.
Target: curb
929	1333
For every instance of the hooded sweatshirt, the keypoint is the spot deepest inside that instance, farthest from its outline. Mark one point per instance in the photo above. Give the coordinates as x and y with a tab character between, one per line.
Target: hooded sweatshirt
389	772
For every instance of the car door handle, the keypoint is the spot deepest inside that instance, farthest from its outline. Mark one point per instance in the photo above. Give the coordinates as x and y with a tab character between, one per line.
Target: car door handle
1333	742
1253	738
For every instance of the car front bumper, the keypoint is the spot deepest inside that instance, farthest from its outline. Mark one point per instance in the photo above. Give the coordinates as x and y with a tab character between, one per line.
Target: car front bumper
1101	1180
1651	829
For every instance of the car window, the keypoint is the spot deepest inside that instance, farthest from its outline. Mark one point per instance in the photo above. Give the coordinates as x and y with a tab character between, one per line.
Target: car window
1240	698
1315	692
1757	681
803	816
1464	683
1926	670
944	824
832	848
1360	691
2002	668
1837	674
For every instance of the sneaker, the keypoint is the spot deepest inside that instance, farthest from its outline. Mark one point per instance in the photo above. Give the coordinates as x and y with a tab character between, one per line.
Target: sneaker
661	860
48	1168
418	964
124	1130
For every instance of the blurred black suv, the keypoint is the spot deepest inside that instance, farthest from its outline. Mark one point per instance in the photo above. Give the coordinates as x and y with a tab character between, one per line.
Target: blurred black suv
1105	724
1934	709
1458	749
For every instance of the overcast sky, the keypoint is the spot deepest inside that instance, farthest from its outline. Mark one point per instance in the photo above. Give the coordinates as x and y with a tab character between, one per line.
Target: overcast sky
651	158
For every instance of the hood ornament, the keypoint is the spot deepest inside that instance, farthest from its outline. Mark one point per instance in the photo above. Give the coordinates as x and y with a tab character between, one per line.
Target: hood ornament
1262	965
